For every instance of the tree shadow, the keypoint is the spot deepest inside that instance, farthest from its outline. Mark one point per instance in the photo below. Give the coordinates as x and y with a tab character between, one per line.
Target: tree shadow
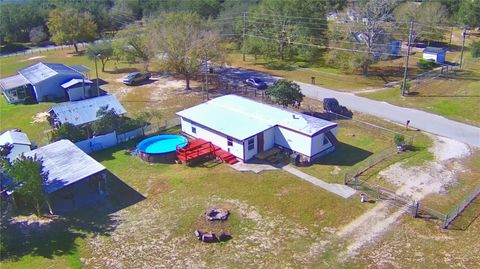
60	235
344	155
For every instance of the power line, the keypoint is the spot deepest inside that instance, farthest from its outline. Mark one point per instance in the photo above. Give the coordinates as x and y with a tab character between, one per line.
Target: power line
334	48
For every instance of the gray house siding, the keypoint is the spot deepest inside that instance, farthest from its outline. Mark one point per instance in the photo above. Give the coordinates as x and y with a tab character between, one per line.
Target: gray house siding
50	89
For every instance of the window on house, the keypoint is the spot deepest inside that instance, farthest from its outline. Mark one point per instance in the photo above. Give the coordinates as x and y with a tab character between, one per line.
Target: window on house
229	141
251	144
325	140
194	130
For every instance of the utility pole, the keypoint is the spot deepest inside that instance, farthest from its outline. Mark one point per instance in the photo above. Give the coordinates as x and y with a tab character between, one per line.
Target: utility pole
405	74
96	72
464	33
244	32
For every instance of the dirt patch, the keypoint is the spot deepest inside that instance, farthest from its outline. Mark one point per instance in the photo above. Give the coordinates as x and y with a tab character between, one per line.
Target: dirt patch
414	182
432	177
40	117
151	235
33	58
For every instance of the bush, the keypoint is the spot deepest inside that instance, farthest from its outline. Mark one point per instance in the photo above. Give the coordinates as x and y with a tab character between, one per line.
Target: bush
475	49
29	100
70	132
399	140
426	65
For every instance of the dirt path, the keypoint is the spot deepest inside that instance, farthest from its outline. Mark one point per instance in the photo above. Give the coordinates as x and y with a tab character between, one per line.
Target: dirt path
415	182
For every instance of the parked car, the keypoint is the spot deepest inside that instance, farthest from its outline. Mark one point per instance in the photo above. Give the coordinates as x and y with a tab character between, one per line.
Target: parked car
136	77
331	105
257	83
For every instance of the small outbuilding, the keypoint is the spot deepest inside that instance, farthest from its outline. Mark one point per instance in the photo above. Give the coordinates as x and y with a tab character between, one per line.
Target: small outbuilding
18	141
244	128
43	82
435	53
84	111
74	178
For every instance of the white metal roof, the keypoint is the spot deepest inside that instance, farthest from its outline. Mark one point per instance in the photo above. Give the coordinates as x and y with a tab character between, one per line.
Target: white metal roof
13	82
85	111
42	71
65	164
74	81
242	118
14	137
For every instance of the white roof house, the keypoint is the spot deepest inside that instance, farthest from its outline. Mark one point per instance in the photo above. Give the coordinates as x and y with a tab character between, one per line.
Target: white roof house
65	164
19	142
85	111
241	119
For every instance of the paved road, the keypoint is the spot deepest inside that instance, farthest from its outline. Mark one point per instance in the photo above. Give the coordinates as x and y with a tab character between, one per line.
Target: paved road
418	119
422	120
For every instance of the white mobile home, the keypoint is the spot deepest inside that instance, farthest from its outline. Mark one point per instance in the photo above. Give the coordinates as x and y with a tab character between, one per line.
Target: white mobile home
245	127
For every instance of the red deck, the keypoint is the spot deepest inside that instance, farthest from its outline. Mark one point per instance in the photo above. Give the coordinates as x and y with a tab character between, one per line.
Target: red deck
199	148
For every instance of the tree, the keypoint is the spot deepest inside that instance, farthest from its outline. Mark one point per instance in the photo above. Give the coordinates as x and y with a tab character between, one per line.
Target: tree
27	173
102	50
285	92
108	122
288	24
469	13
68	131
426	16
475	49
184	40
130	44
370	30
254	46
17	20
37	35
71	26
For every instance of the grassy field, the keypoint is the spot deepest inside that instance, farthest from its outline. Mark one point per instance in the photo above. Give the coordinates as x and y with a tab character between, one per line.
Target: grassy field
380	73
361	140
455	96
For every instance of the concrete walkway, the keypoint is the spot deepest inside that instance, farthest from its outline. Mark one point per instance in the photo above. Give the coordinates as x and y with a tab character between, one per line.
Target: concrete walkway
252	167
338	189
418	119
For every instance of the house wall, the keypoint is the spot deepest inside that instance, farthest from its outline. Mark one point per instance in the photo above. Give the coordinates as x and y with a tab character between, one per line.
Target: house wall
317	142
78	93
216	138
269	138
51	87
293	140
250	153
430	56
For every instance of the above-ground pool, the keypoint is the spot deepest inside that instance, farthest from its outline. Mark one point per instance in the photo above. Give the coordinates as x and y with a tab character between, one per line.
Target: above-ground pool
161	148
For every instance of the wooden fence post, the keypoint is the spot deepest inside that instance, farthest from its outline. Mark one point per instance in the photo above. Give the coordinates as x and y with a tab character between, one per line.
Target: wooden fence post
416	205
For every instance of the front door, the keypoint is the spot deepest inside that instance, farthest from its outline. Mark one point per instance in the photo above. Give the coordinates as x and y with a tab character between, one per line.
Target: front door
259	142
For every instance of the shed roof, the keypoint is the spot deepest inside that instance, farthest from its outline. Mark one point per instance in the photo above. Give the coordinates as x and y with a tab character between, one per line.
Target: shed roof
85	111
13	82
65	164
42	71
434	50
14	137
242	118
74	81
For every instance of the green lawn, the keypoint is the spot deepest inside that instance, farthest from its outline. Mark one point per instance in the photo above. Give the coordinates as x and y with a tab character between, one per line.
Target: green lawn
455	96
21	117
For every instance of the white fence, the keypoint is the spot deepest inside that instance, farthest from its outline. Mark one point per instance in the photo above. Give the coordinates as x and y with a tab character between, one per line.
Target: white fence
98	142
102	142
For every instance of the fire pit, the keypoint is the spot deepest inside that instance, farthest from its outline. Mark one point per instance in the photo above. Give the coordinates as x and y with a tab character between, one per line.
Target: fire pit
216	214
